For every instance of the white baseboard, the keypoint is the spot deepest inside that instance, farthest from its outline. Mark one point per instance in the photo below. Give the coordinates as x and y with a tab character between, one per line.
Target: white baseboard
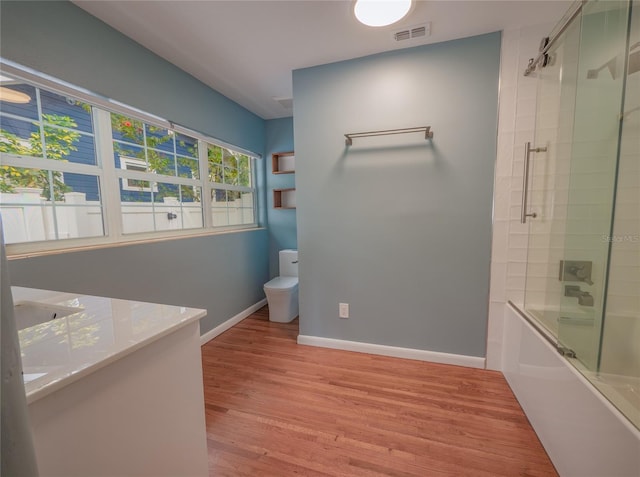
407	353
221	328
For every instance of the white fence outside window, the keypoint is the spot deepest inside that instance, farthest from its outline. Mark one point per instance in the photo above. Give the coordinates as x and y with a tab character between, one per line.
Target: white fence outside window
29	217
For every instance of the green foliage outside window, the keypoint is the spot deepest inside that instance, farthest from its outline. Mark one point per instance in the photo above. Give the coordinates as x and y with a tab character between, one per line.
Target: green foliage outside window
224	166
227	167
157	162
59	143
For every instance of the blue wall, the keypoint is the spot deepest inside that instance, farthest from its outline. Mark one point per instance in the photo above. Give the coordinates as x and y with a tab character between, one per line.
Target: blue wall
223	273
282	223
396	226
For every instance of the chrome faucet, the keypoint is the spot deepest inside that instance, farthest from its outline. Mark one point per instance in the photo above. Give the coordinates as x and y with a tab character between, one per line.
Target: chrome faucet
584	298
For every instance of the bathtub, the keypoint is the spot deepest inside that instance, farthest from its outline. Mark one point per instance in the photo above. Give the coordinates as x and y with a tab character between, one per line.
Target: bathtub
583	433
619	375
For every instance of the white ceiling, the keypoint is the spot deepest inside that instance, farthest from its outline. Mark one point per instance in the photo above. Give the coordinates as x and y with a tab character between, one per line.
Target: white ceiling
247	50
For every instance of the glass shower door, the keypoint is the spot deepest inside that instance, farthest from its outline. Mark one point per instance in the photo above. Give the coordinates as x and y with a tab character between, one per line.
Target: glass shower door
619	361
547	162
600	83
572	168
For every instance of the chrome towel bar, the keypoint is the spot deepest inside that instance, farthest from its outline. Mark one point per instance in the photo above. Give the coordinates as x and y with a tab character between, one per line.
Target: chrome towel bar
428	134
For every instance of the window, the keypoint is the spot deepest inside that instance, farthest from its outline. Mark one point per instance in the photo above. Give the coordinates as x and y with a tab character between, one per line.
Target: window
159	170
71	169
232	195
131	164
49	177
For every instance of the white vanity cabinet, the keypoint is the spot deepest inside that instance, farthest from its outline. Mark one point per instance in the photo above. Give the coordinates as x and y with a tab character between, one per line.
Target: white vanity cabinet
115	389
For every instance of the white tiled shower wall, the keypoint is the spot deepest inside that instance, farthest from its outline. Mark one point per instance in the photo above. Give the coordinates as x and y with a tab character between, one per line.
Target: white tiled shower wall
511	239
516	122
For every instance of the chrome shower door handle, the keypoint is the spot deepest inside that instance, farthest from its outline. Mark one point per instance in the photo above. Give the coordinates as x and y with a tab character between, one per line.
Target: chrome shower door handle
525	181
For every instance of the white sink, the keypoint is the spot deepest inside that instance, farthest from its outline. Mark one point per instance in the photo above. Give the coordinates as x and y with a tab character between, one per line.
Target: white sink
31	313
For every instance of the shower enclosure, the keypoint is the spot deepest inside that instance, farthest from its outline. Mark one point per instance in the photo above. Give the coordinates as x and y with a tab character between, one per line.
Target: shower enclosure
581	197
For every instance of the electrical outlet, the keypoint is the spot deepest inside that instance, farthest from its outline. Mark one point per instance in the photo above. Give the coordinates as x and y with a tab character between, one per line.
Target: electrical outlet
344	310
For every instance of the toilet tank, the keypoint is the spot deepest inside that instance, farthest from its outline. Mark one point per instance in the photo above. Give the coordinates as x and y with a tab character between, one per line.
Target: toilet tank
288	263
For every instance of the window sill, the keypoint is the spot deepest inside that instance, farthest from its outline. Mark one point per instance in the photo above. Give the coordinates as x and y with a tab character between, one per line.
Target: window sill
20	251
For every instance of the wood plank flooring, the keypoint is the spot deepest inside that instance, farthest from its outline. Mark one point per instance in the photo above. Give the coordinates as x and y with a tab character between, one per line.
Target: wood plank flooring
276	408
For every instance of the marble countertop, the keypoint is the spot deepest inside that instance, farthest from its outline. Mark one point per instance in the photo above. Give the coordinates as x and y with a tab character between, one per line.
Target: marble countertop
58	352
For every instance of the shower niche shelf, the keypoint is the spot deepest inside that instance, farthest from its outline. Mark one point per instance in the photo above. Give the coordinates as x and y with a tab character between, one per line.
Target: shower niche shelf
283	162
284	198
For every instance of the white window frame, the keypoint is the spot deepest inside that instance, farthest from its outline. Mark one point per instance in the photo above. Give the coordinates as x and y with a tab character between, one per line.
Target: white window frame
111	178
139	166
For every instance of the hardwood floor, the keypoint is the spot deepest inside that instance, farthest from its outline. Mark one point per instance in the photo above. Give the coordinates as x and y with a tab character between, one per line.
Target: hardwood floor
276	408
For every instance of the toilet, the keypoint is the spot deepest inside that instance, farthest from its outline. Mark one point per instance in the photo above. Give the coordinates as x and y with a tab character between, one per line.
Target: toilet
282	291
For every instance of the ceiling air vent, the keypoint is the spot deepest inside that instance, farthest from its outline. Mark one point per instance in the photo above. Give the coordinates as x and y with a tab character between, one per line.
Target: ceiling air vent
286	103
402	35
413	32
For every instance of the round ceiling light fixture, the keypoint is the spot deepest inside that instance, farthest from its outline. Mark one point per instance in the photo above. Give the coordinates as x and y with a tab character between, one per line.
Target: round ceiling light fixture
377	13
12	96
